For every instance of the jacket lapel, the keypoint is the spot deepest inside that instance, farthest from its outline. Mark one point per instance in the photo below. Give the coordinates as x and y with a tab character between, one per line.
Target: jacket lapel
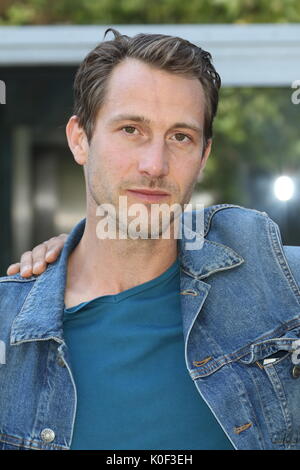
196	265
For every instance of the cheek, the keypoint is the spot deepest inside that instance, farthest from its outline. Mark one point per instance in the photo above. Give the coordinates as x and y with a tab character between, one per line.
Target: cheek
187	175
107	158
119	158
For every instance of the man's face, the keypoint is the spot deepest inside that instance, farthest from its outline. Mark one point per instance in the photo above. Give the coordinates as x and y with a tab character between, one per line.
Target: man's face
148	136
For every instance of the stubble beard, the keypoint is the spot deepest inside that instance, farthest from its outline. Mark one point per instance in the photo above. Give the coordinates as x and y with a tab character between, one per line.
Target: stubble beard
168	224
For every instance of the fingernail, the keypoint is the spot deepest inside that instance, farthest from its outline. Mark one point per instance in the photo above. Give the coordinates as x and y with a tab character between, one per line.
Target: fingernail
49	253
25	270
37	265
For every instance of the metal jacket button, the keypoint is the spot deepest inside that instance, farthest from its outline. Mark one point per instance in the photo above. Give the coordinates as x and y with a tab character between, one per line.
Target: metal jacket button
60	361
47	435
296	372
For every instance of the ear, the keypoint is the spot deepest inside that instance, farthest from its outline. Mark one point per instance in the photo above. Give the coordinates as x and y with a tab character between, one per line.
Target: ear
204	158
77	140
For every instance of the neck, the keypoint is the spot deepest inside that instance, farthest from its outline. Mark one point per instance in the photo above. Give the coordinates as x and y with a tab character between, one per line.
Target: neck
100	267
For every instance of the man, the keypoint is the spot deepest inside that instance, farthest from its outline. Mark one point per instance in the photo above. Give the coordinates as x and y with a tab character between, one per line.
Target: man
138	342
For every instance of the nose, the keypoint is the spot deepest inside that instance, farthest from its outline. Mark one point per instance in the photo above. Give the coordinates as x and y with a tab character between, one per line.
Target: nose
153	159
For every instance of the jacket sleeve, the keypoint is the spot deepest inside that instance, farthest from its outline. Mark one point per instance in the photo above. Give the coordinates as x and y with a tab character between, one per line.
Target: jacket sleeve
292	254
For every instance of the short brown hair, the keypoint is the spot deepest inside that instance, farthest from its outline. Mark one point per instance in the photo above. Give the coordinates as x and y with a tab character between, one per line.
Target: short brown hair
168	53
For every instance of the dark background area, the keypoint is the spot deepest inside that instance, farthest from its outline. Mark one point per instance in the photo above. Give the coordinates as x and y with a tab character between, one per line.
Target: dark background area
256	133
42	188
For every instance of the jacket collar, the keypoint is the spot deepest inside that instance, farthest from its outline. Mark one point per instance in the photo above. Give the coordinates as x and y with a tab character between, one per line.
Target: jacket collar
208	259
210	256
41	315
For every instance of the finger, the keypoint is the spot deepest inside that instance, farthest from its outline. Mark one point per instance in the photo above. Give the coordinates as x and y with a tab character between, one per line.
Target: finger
13	269
38	258
55	245
26	264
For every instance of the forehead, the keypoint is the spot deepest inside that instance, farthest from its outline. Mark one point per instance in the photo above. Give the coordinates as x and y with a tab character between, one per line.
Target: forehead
137	87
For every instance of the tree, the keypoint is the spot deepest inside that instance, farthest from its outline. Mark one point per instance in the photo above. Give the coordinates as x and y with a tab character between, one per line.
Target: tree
29	12
255	131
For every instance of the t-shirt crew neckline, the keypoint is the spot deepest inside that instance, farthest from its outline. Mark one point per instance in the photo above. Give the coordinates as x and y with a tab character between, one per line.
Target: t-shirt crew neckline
115	298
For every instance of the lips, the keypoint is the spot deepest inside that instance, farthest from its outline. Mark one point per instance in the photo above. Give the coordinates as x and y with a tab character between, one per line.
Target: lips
148	194
149	191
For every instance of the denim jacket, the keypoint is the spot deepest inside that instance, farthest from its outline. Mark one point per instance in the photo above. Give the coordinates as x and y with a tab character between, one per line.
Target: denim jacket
241	324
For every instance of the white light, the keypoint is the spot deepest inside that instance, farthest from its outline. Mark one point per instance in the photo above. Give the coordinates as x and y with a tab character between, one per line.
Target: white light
284	188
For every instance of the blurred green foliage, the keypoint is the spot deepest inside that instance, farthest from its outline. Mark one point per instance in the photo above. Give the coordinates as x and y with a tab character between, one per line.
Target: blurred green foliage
25	12
255	130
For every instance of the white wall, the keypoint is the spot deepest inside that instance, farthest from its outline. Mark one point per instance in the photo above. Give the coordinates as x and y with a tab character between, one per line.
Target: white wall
257	55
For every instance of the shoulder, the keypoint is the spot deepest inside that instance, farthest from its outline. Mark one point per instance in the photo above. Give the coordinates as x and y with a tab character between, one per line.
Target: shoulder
13	292
15	281
292	254
249	232
227	214
233	221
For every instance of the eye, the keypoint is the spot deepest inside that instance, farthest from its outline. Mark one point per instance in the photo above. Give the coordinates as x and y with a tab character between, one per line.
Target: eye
129	129
182	137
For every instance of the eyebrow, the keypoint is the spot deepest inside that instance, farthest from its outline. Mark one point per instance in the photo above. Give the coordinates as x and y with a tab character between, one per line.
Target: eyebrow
143	119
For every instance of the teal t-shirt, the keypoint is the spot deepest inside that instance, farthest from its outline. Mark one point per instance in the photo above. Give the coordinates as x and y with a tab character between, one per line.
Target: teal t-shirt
133	388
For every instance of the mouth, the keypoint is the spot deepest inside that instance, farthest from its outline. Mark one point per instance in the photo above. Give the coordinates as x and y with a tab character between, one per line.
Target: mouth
148	194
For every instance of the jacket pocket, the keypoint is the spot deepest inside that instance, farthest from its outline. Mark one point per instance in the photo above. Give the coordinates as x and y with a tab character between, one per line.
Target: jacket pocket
5	445
274	368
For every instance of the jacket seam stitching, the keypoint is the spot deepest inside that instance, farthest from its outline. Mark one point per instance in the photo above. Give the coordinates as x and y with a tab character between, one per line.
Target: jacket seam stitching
19	312
230	358
5	279
24	442
31	279
281	259
217	208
